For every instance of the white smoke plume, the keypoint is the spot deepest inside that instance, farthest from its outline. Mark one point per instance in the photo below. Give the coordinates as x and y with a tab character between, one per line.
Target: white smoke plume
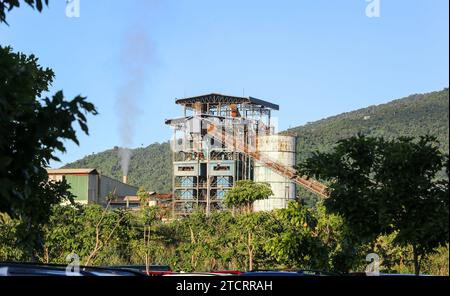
125	156
134	61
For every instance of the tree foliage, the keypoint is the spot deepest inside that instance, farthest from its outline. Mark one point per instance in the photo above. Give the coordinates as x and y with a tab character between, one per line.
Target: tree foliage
32	128
297	243
8	5
143	196
383	186
245	192
97	236
219	241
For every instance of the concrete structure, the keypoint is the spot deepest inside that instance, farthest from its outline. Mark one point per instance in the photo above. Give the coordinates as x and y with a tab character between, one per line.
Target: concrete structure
281	149
219	140
161	200
89	186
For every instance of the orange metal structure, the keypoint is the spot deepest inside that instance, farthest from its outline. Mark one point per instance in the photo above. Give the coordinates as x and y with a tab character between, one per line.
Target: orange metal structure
288	172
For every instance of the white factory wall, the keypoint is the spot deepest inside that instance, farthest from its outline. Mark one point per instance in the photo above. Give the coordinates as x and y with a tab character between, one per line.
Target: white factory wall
281	149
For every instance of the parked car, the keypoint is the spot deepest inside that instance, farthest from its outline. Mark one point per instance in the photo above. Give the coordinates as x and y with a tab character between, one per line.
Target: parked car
154	270
37	269
227	272
289	273
383	274
181	273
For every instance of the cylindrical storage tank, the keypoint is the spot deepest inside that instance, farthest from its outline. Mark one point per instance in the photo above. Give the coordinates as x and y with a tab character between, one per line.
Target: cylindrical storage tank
282	150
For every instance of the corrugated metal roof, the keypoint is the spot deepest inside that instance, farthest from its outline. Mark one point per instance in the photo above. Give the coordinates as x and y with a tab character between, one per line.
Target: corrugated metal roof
216	98
71	171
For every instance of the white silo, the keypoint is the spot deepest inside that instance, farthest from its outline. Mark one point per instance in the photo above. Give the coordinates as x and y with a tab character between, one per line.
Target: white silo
281	149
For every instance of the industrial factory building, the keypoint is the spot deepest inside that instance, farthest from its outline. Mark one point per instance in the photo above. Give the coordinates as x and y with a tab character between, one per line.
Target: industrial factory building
222	139
89	186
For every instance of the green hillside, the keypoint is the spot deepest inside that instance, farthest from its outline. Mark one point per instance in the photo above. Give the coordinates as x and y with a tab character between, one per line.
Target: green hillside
149	167
414	115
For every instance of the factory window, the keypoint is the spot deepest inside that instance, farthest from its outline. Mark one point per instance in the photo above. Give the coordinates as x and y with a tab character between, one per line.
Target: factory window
185	168
221	168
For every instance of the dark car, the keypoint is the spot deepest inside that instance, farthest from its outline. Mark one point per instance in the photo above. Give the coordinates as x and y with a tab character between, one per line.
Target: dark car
227	272
289	273
154	270
383	274
37	269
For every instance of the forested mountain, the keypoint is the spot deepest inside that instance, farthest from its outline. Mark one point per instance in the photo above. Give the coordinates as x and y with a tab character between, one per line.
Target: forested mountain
414	115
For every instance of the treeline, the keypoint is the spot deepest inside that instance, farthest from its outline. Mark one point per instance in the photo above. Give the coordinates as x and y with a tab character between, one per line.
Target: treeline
296	237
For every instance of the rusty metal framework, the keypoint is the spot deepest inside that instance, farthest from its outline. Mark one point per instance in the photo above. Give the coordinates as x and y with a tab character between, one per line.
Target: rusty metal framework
215	144
304	181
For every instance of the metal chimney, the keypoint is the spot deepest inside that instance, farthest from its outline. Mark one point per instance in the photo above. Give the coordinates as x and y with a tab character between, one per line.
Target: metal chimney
125	179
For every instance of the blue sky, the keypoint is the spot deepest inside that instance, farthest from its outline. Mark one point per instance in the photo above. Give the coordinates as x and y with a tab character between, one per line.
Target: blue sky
315	58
